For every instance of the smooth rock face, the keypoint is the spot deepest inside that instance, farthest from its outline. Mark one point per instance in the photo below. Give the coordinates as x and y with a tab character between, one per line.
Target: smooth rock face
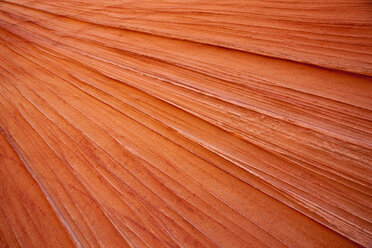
185	123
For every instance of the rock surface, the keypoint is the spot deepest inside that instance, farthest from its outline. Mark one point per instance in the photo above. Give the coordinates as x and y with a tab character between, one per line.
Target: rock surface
185	123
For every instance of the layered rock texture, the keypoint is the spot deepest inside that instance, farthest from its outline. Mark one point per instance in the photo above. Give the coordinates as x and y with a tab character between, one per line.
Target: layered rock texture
175	123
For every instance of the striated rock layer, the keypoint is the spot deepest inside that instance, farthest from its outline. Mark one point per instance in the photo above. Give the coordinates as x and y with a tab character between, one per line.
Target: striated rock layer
185	123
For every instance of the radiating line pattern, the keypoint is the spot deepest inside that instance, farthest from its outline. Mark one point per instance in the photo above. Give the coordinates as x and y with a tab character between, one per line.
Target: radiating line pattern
185	123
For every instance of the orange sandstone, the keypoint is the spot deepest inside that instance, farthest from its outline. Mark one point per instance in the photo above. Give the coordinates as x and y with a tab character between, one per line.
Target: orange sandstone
185	124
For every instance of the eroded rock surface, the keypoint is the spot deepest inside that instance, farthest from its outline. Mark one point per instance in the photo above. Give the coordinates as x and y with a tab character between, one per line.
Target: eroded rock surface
185	123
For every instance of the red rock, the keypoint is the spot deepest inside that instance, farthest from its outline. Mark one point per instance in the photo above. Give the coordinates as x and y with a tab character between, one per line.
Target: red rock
194	124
